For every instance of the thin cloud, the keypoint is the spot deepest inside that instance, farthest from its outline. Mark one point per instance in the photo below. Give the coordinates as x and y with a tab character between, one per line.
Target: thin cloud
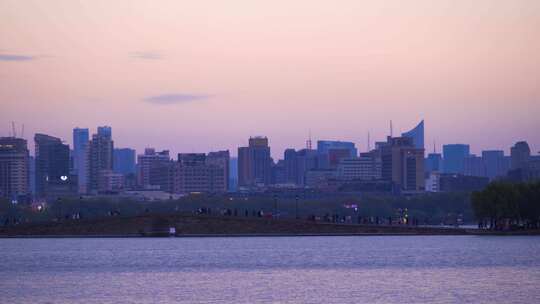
147	55
166	99
15	57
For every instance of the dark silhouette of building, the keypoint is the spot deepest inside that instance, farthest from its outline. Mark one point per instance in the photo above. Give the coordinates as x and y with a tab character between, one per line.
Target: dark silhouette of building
80	157
254	163
520	154
417	135
402	164
124	161
454	157
52	163
14	168
434	162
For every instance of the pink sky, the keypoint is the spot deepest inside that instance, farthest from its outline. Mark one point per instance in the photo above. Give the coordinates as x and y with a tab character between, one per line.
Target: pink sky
231	69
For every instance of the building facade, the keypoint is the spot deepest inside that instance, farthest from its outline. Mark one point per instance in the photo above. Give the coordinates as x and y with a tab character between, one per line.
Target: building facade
80	157
14	168
52	163
454	157
402	164
100	157
254	163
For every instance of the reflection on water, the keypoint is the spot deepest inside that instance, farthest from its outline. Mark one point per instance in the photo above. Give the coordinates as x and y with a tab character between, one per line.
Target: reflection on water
378	269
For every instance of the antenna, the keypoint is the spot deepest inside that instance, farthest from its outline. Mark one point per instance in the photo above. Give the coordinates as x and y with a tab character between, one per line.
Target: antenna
308	142
22	131
391	129
368	142
14	133
434	147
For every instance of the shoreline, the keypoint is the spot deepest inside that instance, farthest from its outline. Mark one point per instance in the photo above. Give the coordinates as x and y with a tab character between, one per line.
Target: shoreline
190	226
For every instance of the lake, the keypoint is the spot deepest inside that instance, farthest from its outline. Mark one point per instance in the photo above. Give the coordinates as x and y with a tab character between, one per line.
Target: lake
355	269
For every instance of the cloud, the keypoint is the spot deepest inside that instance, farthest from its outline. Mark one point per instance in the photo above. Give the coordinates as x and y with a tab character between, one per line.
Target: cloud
147	55
15	57
166	99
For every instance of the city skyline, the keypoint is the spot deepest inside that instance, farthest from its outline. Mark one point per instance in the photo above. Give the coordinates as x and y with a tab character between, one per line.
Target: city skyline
204	76
275	154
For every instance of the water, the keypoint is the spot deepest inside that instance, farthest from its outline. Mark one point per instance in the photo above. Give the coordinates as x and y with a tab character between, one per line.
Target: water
385	269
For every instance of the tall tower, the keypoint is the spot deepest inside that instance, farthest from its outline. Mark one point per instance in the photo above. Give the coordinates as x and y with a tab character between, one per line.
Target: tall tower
100	157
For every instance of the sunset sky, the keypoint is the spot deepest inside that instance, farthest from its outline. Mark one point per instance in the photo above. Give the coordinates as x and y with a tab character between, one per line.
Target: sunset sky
195	76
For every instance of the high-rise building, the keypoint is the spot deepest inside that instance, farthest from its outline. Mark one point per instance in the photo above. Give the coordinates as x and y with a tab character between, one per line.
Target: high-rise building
454	157
80	157
52	163
14	167
197	172
331	152
474	166
520	154
221	159
417	135
100	157
360	168
254	163
233	174
124	161
306	160
434	162
403	164
290	166
495	163
152	168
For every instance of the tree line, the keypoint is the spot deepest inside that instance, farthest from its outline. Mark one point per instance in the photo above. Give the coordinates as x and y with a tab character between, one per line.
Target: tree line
503	205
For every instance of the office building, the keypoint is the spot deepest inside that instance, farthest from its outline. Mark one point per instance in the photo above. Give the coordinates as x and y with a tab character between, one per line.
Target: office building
417	135
434	163
454	157
124	161
254	163
100	157
153	169
520	154
221	159
402	164
14	168
80	157
52	163
360	168
331	152
474	166
495	163
197	172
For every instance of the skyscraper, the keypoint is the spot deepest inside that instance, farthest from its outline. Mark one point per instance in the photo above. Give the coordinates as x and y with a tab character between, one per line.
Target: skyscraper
220	159
100	157
434	162
520	154
454	157
14	169
495	163
402	164
124	161
254	163
149	166
417	135
52	162
80	157
331	152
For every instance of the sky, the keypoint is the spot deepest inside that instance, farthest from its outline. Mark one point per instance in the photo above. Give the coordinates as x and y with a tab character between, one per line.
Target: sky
195	76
